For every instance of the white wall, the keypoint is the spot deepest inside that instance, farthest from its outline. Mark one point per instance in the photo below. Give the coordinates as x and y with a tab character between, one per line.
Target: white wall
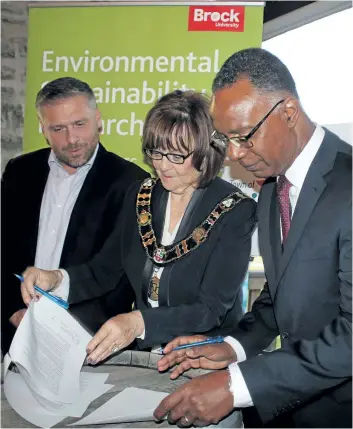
319	56
344	131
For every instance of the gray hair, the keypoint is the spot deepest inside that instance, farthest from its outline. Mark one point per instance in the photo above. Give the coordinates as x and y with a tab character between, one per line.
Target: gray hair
264	70
62	88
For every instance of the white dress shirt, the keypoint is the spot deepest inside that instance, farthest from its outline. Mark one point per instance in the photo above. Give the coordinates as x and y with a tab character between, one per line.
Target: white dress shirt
59	198
296	175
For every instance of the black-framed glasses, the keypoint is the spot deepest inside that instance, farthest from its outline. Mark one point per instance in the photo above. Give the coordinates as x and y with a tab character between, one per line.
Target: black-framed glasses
242	141
175	158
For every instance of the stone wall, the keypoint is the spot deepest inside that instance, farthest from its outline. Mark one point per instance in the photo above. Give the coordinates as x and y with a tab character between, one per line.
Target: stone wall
14	17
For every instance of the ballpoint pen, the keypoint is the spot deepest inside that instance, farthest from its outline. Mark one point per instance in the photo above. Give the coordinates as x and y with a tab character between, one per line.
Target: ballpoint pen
53	298
211	340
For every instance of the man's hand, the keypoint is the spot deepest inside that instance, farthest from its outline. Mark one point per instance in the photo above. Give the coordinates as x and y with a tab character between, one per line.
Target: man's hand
47	280
116	334
211	356
16	318
201	401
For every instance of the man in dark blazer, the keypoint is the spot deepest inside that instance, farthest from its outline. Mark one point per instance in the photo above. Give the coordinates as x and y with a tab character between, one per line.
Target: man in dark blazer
305	237
88	210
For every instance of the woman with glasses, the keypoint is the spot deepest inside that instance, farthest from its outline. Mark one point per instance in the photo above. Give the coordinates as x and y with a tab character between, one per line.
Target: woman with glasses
184	240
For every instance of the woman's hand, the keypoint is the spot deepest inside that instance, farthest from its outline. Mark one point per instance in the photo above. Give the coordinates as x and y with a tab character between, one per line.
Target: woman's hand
117	333
46	280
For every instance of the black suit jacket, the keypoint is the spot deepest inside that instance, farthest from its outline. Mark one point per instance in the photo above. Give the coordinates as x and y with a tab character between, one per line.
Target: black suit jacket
307	300
199	293
93	218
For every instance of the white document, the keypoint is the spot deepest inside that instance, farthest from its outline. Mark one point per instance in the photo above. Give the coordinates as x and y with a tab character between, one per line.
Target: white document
92	386
49	348
22	401
130	405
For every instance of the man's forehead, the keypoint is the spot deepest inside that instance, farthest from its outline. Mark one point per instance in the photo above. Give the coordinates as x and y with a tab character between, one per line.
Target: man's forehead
66	108
240	103
74	101
241	92
236	108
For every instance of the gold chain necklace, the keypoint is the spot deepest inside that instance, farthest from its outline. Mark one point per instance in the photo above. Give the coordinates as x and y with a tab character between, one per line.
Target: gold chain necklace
162	255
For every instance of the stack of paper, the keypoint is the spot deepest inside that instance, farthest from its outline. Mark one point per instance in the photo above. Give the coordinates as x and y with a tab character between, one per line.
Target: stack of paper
23	402
48	349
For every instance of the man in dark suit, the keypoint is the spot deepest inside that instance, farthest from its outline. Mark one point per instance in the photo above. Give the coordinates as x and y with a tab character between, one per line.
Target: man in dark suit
304	213
60	205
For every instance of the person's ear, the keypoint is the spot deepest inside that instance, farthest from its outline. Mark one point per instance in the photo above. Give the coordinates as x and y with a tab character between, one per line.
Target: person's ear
291	111
41	125
40	121
99	120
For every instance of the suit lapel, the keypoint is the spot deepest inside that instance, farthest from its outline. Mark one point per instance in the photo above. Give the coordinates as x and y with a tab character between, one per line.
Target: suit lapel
203	201
38	183
158	207
266	230
89	194
313	187
275	234
308	198
188	222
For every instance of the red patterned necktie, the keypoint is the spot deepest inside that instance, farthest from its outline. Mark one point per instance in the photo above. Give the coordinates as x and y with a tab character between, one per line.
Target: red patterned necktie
285	209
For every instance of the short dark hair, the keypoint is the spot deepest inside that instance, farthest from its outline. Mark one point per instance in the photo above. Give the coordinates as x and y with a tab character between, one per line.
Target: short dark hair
64	87
181	121
264	70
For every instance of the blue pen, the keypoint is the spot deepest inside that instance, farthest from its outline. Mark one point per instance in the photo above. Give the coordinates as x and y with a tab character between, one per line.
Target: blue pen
53	298
211	340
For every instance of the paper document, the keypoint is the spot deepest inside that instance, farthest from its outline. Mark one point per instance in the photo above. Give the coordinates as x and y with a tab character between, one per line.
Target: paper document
130	405
48	349
22	401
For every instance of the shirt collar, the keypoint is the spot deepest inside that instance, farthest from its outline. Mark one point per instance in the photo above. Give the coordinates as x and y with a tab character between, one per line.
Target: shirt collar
298	170
53	160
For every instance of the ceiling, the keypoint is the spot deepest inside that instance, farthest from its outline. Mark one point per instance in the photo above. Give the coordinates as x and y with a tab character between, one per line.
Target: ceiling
286	11
275	9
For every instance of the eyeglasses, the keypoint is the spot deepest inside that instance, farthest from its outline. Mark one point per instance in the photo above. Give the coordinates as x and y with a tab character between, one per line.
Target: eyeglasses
175	158
241	141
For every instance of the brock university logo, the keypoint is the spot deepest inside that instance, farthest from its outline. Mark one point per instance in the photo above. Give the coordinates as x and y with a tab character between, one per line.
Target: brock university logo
216	18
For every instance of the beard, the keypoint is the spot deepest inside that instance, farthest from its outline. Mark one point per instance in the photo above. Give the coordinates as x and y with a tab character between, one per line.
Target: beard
85	151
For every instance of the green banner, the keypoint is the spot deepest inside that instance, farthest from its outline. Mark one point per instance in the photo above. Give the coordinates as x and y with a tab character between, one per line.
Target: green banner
130	56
